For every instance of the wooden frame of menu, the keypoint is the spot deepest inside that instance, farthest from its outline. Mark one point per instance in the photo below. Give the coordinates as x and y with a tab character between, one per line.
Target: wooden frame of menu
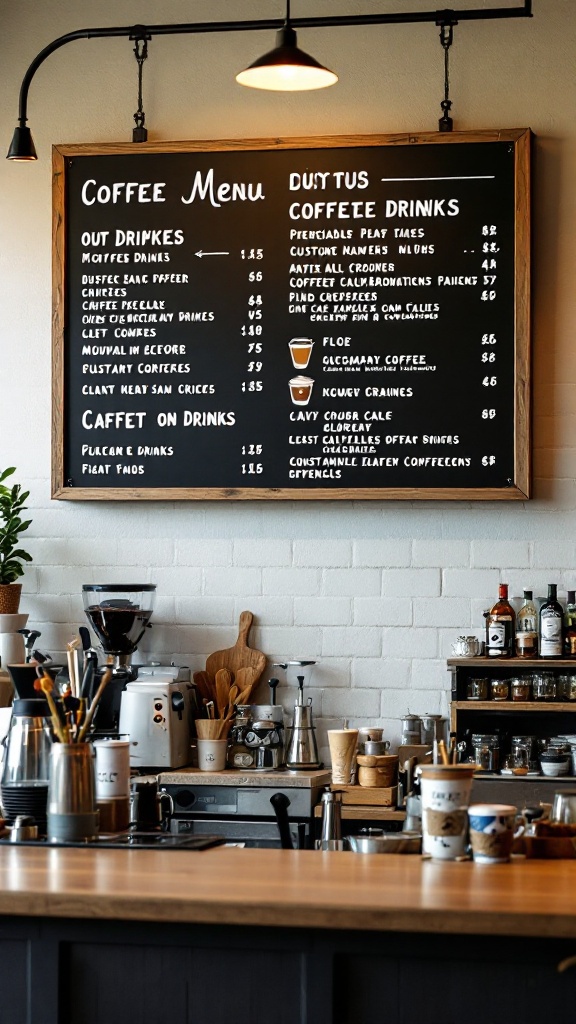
73	226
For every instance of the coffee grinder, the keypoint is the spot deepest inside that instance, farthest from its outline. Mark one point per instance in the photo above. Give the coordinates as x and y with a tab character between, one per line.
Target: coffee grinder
150	703
118	613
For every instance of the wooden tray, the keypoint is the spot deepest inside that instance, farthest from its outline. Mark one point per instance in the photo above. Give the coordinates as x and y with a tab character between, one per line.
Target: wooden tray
373	796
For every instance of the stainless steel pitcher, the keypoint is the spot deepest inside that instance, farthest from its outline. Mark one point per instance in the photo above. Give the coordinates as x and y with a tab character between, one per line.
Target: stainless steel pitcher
331	836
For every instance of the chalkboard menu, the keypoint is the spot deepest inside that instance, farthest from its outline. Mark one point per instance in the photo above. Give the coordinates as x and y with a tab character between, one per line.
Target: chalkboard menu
301	318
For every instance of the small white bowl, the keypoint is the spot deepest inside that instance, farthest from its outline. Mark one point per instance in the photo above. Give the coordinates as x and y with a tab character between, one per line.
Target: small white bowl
553	769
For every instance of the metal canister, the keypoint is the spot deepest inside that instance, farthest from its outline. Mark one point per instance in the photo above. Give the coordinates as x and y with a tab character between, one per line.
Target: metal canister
411	730
239	755
265	740
432	729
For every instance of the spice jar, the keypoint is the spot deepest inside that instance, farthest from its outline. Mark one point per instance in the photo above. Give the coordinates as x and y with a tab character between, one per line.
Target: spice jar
477	689
566	689
544	686
486	751
521	688
499	689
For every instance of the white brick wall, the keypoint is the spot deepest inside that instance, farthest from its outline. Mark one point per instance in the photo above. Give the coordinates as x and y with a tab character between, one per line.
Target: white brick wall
376	592
380	633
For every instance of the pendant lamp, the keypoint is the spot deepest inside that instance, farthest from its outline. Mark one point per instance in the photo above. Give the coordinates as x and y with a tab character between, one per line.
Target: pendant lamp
286	68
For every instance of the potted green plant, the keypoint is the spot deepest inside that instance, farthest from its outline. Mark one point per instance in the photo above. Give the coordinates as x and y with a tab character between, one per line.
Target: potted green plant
11	556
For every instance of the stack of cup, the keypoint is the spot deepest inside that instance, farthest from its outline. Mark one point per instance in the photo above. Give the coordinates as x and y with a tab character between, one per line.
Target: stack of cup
445	798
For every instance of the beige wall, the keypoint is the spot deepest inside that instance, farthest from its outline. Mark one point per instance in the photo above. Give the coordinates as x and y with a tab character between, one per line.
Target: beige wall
375	591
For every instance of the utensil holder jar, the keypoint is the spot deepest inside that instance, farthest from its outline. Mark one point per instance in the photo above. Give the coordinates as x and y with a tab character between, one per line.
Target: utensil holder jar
72	813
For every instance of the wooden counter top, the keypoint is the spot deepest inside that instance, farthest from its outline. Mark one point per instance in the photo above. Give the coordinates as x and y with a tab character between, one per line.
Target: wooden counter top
290	889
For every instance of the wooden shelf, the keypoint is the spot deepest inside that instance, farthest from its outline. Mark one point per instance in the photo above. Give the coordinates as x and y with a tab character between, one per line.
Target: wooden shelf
514	663
368	812
513	705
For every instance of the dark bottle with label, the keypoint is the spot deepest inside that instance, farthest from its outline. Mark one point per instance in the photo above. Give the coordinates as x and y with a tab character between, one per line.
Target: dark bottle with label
550	632
570	626
501	626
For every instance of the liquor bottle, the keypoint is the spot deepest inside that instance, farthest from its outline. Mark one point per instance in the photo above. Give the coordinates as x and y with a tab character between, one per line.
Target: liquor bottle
501	626
527	629
570	626
551	616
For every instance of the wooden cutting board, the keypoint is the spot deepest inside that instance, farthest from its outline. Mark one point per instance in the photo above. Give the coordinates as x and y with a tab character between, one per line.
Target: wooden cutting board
240	655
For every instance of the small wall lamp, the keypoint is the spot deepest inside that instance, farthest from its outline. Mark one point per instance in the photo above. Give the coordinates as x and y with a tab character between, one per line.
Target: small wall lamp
285	68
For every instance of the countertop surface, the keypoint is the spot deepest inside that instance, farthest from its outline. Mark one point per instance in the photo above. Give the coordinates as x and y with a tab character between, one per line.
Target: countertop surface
282	779
282	888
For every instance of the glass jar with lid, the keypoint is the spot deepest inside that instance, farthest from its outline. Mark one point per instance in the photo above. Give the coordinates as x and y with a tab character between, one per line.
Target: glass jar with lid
499	689
521	688
477	689
486	748
566	687
544	686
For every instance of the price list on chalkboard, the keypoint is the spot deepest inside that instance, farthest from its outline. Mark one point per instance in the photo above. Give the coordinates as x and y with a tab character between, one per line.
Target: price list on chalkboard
327	320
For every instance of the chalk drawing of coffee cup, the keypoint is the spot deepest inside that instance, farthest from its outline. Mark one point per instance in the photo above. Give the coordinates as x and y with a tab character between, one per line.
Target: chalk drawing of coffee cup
300	389
300	350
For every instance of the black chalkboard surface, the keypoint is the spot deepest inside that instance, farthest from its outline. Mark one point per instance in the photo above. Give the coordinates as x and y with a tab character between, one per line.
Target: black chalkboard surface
305	318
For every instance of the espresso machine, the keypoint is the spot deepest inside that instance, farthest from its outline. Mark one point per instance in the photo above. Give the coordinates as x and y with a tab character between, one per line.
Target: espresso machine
152	703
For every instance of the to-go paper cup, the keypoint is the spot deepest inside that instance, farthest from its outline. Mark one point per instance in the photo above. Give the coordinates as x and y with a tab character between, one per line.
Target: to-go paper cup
445	793
342	743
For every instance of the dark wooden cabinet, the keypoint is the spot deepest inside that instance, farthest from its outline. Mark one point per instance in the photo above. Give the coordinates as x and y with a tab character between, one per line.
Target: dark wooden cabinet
112	972
541	718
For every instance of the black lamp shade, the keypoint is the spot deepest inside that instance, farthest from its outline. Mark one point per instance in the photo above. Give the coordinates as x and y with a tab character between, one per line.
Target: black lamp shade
22	146
286	68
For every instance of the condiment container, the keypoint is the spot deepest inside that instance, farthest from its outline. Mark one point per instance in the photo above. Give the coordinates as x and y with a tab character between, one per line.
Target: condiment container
499	689
477	689
411	730
543	686
486	751
521	688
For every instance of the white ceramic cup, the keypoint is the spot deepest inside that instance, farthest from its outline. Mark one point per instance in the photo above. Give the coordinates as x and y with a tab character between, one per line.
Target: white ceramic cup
493	829
212	755
445	793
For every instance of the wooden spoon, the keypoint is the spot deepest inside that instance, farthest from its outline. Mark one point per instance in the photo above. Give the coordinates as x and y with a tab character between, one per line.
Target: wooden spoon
223	684
244	696
245	679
